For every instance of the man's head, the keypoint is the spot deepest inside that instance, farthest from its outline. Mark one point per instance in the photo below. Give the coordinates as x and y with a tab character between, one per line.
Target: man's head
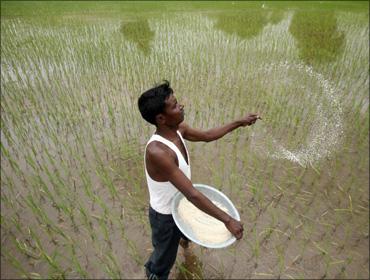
159	106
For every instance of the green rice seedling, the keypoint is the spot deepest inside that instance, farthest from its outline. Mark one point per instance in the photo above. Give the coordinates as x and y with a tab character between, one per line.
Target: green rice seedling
103	205
55	181
133	251
106	179
82	272
9	182
327	261
44	219
88	223
12	162
39	182
322	250
16	264
104	228
50	260
22	247
87	184
5	133
188	270
110	271
260	194
349	209
113	261
16	222
255	247
34	275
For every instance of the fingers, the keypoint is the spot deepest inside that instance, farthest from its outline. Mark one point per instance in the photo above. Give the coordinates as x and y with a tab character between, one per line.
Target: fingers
240	232
257	116
253	121
254	117
239	235
236	228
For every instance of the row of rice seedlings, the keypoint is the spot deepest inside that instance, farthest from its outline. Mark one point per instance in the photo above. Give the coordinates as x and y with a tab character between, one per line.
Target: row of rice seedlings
254	245
92	231
51	260
14	261
323	249
80	270
42	217
88	223
280	252
12	162
286	233
108	215
38	184
111	267
31	248
22	247
104	229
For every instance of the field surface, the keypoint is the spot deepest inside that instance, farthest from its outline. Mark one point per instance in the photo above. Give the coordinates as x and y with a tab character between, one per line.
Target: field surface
74	200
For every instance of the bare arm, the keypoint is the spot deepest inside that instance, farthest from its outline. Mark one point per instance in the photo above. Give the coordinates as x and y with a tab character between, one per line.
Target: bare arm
168	167
193	134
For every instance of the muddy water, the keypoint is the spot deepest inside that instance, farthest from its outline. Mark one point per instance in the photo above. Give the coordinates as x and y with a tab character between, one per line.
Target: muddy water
294	220
239	260
297	219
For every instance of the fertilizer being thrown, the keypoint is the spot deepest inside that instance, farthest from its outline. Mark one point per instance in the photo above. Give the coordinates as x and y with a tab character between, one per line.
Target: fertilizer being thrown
206	229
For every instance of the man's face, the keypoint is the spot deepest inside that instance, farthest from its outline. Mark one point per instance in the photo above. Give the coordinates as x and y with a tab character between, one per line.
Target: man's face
174	112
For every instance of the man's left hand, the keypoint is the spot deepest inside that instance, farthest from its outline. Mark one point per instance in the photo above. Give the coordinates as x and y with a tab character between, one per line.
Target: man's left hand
249	119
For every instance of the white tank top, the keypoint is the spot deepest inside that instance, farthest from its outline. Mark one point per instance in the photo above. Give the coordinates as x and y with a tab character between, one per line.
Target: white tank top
161	193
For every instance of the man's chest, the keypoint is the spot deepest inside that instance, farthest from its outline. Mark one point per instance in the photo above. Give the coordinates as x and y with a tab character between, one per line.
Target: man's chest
179	144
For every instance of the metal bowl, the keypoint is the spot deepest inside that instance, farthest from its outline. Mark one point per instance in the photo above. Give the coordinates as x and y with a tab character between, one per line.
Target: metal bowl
214	195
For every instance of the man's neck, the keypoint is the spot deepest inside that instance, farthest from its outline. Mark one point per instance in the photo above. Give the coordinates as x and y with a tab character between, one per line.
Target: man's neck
167	132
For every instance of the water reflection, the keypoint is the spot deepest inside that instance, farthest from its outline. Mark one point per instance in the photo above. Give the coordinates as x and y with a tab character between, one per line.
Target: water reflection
139	33
317	36
247	24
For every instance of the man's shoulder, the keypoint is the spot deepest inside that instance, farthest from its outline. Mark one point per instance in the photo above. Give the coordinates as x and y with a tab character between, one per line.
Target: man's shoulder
157	150
159	156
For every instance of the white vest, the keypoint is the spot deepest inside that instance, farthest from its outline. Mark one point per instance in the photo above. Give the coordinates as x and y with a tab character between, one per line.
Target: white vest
161	193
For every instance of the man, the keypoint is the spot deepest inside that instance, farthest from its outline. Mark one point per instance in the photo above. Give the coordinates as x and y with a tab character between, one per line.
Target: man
167	169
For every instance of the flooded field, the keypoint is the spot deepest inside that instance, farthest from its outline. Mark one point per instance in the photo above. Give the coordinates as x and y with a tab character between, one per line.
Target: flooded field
74	200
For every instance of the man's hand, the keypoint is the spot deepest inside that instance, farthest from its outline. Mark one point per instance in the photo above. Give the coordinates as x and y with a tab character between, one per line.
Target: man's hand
249	119
235	227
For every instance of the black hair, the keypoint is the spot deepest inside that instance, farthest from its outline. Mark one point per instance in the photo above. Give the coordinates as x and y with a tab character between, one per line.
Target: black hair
152	102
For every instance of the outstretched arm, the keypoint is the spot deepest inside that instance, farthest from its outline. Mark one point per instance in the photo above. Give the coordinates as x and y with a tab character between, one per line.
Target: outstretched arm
193	134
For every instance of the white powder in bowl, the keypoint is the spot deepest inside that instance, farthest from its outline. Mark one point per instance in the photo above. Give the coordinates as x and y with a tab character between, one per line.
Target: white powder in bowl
206	229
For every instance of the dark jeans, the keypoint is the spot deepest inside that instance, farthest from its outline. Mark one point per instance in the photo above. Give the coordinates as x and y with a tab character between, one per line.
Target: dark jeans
165	239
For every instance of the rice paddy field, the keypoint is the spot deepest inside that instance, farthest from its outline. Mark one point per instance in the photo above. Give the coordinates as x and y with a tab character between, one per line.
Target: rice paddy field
74	199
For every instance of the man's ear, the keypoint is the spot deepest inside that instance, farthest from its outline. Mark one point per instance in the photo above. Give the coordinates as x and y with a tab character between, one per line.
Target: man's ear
160	119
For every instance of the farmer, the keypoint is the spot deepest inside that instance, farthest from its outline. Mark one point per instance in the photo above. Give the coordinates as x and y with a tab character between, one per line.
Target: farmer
167	169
